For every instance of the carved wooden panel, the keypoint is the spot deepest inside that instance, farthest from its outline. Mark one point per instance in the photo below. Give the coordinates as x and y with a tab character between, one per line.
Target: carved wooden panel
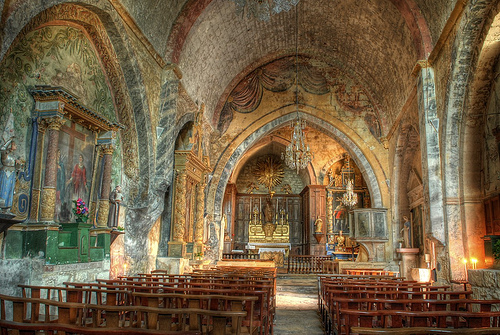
246	203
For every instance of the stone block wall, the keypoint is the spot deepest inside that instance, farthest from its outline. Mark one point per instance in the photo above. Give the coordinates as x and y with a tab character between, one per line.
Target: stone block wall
485	283
36	272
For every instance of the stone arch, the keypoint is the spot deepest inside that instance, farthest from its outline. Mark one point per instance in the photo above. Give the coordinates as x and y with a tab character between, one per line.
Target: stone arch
312	180
115	59
324	170
217	186
462	192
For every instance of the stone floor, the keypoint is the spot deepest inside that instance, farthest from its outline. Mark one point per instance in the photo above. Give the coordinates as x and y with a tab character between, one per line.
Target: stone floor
297	305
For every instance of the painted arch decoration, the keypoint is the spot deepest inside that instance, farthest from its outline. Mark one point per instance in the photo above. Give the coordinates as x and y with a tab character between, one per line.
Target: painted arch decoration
313	77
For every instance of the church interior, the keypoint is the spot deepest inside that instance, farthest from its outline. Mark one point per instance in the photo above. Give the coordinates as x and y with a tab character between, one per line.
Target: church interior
142	136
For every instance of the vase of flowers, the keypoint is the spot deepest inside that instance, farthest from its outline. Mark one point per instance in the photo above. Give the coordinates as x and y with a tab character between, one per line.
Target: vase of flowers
81	211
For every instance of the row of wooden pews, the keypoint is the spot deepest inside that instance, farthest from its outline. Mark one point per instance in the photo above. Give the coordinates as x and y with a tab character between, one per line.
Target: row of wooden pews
372	304
229	300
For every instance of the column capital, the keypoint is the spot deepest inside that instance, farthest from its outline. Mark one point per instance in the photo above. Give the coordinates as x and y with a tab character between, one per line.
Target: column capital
421	64
107	149
54	122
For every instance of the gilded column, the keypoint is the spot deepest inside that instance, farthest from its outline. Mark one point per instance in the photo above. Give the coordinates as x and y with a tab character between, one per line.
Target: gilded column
102	218
37	175
179	226
329	212
48	200
200	210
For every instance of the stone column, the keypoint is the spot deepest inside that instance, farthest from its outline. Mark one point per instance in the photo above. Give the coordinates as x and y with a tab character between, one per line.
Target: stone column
431	166
37	175
199	225
48	200
102	217
176	248
329	212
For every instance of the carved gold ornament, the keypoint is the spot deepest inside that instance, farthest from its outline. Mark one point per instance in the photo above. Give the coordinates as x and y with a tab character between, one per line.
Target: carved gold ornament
269	172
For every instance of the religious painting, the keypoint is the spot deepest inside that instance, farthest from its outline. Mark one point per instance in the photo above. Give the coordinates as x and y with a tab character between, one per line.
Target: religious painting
75	157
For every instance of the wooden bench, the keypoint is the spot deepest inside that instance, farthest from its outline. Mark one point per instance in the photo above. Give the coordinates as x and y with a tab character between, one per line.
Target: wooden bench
424	331
402	319
111	316
9	327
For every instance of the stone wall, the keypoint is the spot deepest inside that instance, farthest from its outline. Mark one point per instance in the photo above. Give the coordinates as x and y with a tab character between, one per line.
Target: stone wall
485	283
35	272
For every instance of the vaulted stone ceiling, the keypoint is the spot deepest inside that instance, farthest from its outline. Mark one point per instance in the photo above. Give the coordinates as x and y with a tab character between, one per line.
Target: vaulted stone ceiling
376	42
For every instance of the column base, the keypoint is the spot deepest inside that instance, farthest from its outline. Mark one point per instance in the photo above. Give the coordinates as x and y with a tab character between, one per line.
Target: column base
172	265
177	249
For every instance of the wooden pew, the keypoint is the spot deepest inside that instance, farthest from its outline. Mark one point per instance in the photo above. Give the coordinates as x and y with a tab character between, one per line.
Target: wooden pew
425	331
210	302
401	319
114	317
9	327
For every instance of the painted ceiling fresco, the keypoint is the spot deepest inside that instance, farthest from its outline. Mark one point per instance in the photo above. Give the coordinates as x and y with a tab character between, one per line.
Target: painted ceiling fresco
348	99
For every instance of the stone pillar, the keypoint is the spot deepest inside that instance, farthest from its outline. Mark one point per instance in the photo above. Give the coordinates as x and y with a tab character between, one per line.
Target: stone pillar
431	167
176	248
37	175
329	213
102	217
199	225
48	200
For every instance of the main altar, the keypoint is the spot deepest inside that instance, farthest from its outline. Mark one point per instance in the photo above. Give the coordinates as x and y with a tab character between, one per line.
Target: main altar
269	233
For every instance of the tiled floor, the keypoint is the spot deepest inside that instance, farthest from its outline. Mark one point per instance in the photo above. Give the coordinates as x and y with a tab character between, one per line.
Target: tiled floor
297	306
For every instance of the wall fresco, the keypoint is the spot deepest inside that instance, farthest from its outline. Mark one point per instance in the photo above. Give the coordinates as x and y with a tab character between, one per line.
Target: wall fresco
55	56
347	99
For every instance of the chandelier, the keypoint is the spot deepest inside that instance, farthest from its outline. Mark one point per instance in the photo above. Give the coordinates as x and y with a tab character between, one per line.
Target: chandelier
349	198
297	154
263	9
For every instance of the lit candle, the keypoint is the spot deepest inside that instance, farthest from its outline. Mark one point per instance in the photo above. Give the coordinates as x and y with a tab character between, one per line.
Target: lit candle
465	269
474	263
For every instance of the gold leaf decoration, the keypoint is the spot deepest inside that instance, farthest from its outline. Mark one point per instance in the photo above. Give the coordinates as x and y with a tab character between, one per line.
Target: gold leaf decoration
269	172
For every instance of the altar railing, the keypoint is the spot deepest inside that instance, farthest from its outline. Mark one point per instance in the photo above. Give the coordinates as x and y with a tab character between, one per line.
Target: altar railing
239	255
306	263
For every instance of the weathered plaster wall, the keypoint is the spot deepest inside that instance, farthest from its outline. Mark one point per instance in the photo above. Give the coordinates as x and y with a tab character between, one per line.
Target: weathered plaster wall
150	82
436	14
155	19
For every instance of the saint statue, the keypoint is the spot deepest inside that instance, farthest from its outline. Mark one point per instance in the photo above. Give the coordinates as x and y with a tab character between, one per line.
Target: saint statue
339	214
268	211
318	226
406	231
115	199
8	173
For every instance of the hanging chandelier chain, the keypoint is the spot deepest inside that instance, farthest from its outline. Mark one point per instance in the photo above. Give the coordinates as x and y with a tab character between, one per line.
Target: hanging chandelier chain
297	154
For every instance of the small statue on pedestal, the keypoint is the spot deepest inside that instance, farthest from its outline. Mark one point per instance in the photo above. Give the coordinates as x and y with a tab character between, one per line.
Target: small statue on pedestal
8	173
115	199
406	231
